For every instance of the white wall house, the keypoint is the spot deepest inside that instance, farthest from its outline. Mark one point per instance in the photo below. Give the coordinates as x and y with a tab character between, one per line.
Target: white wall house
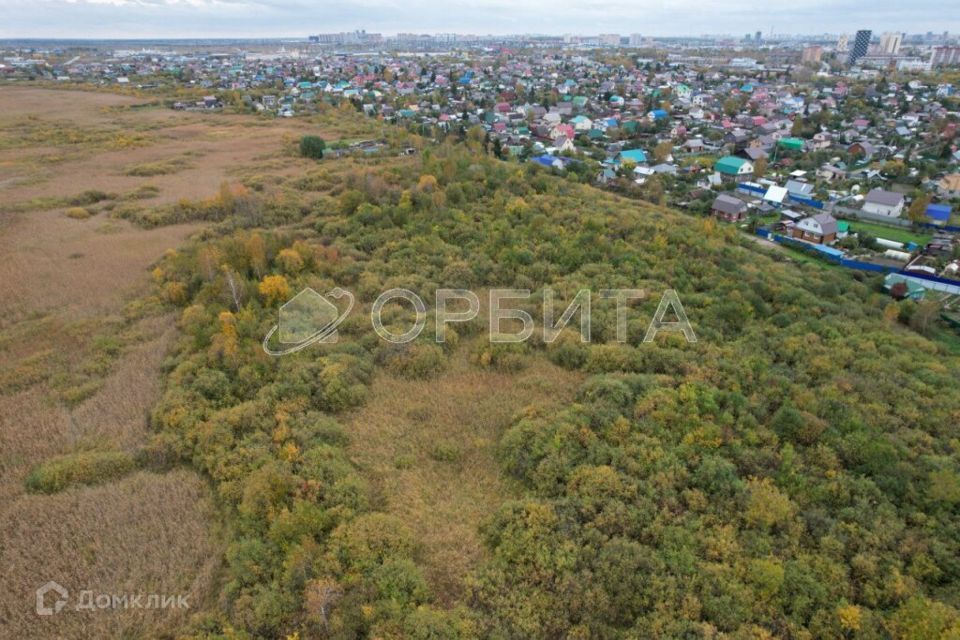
883	203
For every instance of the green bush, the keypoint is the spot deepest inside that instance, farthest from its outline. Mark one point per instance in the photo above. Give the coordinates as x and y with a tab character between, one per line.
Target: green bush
502	356
312	147
414	361
84	467
568	351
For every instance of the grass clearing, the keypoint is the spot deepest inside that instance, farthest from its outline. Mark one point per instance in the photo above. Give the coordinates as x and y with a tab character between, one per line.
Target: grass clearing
897	234
430	448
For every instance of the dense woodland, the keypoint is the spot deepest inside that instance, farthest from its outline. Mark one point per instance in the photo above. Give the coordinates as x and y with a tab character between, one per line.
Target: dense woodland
793	474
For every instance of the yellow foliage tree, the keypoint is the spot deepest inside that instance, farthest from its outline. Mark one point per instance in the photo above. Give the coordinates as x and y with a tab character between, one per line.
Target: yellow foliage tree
274	289
290	261
256	253
767	506
427	183
849	616
226	342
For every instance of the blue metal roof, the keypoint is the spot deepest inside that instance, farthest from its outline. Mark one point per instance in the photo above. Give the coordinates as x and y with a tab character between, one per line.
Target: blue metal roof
634	155
939	212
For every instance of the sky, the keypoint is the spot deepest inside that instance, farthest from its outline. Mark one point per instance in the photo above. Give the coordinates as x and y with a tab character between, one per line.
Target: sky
298	18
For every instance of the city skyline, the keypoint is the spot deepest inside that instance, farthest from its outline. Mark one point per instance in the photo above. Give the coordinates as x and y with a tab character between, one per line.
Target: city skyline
137	19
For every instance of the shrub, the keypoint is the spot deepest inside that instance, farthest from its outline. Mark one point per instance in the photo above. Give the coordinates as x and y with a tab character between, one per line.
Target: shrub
77	213
89	197
502	356
84	467
446	452
568	351
414	361
312	147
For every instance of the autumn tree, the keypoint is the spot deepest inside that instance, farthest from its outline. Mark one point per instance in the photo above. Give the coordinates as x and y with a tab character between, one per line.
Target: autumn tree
760	167
918	208
662	151
274	290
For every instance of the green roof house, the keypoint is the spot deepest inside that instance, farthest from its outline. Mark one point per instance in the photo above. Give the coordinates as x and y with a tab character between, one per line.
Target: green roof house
733	167
793	144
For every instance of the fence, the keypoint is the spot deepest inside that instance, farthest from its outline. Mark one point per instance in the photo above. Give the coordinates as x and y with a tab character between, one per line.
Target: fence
935	283
836	258
810	202
857	214
939	227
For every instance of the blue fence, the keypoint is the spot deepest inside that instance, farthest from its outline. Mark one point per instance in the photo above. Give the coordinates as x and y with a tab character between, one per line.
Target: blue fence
752	189
866	266
939	227
810	202
926	276
830	257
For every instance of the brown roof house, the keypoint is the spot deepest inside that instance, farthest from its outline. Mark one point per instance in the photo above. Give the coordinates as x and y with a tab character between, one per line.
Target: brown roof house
820	229
728	208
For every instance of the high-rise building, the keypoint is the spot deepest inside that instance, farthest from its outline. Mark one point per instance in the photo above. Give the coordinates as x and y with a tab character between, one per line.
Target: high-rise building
842	43
945	57
609	39
758	37
890	43
811	54
861	45
636	40
350	37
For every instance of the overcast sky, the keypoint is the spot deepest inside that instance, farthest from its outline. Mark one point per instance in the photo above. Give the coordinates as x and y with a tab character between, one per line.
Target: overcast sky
279	18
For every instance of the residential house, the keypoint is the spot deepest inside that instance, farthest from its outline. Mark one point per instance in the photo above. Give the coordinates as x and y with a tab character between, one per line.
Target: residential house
821	140
799	189
733	168
938	213
820	229
862	148
637	156
829	173
884	203
729	208
949	186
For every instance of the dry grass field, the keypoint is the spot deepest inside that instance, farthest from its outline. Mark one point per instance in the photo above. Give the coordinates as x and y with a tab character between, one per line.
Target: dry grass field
145	534
66	283
429	447
80	357
57	144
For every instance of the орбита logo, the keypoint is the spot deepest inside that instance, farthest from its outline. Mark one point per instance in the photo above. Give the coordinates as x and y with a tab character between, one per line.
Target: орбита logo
307	318
310	317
